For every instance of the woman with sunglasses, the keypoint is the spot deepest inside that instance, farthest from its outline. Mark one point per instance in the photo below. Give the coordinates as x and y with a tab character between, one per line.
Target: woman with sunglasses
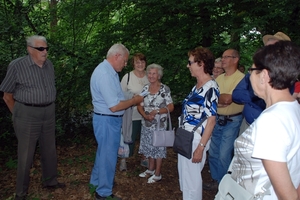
200	103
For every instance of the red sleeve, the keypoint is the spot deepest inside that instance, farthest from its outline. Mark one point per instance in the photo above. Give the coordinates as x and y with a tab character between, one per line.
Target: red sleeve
297	87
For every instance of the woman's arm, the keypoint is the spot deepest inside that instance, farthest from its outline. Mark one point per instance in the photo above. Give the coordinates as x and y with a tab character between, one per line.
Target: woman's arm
141	110
198	153
281	180
164	110
149	116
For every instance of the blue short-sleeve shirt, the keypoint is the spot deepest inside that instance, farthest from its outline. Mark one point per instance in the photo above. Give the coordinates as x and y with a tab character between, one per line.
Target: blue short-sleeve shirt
106	89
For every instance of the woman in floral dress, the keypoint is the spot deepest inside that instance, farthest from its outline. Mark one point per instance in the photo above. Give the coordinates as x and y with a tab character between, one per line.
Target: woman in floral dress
155	107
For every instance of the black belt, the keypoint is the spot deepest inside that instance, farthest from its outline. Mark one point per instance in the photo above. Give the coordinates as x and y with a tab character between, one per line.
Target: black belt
228	116
108	115
36	105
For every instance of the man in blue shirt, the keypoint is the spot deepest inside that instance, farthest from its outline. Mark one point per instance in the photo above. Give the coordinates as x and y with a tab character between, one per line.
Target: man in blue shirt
244	94
109	104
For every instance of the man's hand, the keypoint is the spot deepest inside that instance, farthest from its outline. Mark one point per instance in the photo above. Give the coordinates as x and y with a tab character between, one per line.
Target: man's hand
9	100
137	99
225	99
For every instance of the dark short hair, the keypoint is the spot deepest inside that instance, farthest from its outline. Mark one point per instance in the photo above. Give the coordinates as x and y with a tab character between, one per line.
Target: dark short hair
138	56
206	56
282	62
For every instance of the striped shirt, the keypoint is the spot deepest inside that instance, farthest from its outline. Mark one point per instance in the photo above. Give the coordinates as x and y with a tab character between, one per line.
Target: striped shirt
30	83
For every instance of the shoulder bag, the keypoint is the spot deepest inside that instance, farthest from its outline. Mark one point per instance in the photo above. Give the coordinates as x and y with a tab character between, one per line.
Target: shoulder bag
163	138
229	189
183	143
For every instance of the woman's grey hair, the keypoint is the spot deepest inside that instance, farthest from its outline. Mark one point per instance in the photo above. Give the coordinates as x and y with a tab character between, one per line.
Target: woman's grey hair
30	40
117	48
156	66
218	60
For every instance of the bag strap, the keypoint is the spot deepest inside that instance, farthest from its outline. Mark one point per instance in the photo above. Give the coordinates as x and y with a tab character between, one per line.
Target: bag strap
128	77
197	126
170	122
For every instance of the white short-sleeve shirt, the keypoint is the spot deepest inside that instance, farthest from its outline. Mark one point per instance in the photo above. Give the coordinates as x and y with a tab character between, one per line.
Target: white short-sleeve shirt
275	136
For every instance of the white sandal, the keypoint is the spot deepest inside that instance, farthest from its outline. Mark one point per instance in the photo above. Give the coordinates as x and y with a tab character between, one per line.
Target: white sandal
154	179
146	173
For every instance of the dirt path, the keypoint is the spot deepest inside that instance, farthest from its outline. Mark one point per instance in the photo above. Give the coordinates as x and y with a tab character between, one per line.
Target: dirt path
75	164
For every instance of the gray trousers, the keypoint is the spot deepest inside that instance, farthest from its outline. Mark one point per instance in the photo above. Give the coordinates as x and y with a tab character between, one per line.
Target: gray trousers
34	124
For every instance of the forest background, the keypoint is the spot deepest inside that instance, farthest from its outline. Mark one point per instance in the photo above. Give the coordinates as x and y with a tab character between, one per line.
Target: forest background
79	33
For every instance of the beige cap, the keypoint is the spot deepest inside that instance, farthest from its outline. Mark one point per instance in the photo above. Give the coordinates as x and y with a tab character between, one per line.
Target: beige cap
277	36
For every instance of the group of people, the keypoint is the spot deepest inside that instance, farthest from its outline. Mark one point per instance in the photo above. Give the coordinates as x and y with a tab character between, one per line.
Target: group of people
267	150
260	155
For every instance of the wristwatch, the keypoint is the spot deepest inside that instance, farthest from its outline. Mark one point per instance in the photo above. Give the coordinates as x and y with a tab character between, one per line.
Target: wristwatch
157	111
202	145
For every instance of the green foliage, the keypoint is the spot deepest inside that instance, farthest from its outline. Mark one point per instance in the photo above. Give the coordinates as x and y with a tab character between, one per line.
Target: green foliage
92	189
79	34
11	163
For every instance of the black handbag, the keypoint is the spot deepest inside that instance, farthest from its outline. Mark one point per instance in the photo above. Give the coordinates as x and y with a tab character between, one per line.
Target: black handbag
183	143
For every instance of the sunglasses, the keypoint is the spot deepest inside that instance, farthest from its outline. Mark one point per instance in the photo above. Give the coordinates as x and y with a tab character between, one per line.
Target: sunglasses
40	48
191	62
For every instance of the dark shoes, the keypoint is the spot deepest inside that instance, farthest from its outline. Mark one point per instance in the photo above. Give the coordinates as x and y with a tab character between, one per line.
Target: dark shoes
213	185
111	197
58	185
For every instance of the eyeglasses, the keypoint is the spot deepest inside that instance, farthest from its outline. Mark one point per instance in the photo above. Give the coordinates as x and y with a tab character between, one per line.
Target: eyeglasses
252	69
191	62
40	48
225	57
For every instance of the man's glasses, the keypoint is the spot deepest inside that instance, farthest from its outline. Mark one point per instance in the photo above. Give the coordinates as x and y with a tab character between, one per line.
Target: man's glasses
40	48
250	70
225	57
191	62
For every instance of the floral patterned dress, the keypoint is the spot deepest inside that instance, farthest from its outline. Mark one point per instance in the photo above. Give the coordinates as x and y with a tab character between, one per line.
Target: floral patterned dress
153	102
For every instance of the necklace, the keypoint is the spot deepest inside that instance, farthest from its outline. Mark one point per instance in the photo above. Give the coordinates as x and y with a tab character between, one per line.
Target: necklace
140	76
141	81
